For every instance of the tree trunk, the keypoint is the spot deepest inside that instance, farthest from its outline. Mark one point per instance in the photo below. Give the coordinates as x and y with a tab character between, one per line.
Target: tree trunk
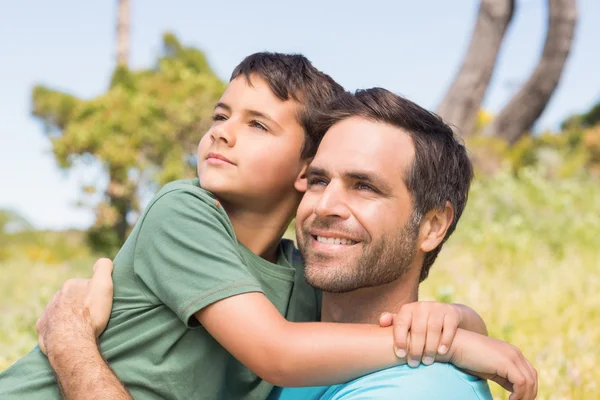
123	24
464	97
526	106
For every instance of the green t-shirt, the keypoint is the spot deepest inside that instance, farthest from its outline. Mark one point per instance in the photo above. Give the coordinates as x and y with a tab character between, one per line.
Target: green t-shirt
181	256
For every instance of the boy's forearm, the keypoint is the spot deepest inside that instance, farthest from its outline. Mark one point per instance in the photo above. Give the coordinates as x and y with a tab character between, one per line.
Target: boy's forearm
314	354
81	371
471	321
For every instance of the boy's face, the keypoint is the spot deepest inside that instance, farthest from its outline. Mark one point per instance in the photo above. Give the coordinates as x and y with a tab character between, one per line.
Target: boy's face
251	154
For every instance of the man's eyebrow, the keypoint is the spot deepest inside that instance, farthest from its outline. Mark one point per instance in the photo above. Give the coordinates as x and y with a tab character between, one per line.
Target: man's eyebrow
370	178
315	171
222	105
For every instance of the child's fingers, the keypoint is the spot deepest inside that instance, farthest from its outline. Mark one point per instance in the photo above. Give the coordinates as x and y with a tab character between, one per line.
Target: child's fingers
418	332
402	324
448	332
386	319
432	341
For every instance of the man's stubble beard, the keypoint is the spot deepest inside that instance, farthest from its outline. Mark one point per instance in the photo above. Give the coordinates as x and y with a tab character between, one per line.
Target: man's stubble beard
380	263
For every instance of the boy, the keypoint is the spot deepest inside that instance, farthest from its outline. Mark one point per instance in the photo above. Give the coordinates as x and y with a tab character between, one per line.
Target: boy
208	253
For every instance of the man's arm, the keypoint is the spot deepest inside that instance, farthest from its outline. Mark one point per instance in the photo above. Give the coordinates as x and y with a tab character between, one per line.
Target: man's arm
82	373
68	332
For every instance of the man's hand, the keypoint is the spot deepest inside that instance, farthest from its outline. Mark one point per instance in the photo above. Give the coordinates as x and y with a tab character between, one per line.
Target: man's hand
81	307
423	329
493	359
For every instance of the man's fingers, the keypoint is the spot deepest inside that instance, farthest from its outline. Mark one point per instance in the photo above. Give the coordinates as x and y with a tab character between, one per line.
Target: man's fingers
103	275
448	333
402	323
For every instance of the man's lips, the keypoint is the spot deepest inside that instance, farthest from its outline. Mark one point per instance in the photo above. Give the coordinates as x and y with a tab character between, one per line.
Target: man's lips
329	238
218	159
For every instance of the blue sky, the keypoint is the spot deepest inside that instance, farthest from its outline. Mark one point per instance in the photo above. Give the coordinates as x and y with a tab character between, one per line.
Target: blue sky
411	47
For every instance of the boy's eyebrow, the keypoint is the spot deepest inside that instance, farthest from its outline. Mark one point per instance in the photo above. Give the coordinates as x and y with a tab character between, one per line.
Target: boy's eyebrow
259	114
222	105
252	113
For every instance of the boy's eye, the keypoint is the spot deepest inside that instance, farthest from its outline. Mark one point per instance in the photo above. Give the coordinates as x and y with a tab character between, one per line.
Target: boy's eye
258	125
219	117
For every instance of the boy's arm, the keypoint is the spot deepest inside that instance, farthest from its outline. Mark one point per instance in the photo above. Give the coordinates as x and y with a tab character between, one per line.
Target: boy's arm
471	321
83	373
431	327
295	354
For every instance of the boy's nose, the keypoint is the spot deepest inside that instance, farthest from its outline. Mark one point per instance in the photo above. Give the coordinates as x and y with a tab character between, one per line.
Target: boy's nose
222	133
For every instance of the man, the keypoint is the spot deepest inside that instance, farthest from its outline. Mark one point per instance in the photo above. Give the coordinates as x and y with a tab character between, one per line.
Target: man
385	190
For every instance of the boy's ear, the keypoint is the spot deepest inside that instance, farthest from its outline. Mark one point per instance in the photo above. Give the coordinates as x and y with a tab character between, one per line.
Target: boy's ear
301	183
434	227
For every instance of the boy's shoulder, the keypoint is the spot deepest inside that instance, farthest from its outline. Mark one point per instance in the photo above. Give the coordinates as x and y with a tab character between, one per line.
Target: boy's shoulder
181	192
191	185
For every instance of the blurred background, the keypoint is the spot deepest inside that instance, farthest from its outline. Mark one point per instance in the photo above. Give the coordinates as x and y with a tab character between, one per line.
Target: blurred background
102	102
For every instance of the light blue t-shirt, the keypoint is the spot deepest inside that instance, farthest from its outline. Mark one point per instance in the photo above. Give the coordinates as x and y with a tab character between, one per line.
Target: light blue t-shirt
438	381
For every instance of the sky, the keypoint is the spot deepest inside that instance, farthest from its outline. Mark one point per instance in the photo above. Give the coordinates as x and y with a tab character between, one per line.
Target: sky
413	48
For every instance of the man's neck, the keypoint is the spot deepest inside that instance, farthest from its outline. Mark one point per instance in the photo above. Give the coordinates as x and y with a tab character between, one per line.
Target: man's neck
261	229
365	306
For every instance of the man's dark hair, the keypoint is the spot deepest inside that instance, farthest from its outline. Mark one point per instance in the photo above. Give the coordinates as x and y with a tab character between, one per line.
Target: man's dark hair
441	170
292	76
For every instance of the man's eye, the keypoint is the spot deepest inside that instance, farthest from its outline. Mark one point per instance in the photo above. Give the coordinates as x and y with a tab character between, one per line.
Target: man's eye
258	125
316	181
364	186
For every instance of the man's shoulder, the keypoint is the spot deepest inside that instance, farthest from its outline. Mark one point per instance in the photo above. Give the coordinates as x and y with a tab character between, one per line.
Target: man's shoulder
439	381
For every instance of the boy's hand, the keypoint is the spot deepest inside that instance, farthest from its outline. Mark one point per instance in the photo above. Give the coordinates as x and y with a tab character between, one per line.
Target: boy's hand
423	329
493	359
81	307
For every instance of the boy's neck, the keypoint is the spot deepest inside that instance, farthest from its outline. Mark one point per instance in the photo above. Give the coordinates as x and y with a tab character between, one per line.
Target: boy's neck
261	230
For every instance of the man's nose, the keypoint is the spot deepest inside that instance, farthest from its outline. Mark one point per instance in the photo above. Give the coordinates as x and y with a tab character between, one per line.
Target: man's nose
225	133
332	203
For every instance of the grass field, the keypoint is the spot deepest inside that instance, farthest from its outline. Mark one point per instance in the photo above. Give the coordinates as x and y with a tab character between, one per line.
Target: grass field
526	256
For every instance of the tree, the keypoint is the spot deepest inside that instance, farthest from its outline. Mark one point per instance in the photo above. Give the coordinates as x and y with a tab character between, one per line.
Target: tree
123	32
143	131
464	97
526	106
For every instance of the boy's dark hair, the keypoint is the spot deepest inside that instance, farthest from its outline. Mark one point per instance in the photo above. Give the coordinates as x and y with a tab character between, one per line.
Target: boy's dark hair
441	170
292	76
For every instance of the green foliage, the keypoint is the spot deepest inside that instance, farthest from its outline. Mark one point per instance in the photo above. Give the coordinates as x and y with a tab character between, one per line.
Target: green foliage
143	130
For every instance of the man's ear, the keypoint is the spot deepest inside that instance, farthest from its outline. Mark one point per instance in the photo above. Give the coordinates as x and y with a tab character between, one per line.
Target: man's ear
434	227
301	183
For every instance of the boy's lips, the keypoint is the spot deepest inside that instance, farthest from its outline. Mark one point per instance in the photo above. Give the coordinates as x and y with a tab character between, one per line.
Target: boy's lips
218	159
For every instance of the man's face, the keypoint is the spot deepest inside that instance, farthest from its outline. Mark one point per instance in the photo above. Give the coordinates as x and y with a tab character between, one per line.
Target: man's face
354	225
252	151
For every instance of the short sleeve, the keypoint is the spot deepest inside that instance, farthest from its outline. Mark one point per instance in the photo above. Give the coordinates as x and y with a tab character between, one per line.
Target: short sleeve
186	253
438	381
